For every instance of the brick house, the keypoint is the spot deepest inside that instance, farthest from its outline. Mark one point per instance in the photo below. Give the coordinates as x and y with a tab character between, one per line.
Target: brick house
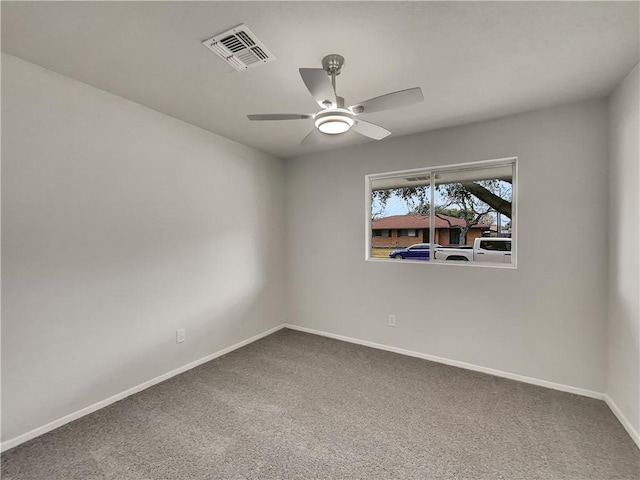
405	230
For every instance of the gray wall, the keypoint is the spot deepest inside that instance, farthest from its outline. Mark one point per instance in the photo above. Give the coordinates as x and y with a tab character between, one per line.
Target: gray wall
546	319
121	225
623	370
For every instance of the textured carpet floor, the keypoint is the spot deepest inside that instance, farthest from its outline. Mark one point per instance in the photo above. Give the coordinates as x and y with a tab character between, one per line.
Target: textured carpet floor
299	406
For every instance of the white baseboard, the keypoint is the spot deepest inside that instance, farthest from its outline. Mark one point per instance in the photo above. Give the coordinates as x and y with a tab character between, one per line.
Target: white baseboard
36	432
623	420
456	363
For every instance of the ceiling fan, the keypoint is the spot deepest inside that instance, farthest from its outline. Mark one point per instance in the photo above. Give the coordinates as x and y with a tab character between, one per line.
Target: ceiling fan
334	119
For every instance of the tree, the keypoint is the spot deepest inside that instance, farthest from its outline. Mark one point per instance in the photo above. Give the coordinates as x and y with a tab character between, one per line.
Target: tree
416	198
470	201
475	200
439	211
486	195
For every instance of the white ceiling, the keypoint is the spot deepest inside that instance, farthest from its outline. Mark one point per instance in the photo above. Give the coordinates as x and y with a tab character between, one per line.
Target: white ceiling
473	60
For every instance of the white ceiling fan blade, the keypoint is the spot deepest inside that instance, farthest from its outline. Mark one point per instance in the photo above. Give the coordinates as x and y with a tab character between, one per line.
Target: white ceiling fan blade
314	137
370	130
388	101
319	85
280	116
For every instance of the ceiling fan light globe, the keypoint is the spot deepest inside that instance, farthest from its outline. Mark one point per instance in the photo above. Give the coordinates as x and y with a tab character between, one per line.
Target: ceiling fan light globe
334	127
334	124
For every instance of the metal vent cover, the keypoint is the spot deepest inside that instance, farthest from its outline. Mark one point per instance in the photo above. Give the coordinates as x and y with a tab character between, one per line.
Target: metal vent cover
418	179
240	48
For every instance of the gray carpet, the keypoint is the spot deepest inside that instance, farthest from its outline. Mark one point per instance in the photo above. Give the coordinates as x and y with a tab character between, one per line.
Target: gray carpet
299	406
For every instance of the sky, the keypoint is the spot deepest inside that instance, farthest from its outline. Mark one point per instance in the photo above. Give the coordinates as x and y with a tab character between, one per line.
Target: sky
394	206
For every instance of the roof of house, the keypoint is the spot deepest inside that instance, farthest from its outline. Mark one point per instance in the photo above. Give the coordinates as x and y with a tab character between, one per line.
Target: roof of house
418	221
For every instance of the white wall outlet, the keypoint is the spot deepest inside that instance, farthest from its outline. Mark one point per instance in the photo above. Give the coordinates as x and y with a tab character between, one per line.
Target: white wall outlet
181	335
392	320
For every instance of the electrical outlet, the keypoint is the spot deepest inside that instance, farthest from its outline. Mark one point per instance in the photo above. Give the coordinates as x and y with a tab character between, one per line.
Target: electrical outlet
392	320
181	335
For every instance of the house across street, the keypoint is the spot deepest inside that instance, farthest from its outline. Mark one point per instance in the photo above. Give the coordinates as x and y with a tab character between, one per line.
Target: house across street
405	230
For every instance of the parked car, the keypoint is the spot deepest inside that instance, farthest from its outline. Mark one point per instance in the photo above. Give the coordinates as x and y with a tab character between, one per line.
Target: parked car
496	250
418	251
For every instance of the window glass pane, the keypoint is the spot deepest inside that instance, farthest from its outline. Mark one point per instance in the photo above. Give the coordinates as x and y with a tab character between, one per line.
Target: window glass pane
402	210
499	246
471	209
471	204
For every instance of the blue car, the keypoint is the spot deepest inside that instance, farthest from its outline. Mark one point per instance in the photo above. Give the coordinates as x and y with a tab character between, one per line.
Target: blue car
419	251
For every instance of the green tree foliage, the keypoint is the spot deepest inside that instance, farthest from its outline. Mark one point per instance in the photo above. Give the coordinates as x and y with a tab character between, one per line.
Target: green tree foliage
416	198
472	209
424	210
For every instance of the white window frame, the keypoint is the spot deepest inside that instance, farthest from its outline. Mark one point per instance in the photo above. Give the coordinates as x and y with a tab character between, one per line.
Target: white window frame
431	171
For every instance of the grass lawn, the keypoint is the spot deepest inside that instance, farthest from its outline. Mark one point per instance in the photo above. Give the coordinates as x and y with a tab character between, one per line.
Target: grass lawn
381	252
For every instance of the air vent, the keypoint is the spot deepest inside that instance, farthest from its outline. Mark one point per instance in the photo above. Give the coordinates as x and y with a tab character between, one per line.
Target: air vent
417	179
240	48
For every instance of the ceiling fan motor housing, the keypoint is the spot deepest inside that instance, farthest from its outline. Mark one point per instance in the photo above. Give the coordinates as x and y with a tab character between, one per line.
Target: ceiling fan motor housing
333	64
339	103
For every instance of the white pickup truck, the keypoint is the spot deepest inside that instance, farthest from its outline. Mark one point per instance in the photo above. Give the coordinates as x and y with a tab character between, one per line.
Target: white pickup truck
494	250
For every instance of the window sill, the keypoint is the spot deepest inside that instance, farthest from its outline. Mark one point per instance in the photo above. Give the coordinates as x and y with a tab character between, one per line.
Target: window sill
444	262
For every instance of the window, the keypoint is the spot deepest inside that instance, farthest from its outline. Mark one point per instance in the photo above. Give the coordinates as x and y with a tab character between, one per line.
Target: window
464	213
495	245
380	233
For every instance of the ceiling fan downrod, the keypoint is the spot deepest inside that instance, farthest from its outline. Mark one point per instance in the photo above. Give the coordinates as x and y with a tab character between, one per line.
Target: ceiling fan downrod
332	64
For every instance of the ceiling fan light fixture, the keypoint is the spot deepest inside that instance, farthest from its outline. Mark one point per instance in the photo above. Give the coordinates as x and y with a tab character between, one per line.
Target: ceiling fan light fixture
334	123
